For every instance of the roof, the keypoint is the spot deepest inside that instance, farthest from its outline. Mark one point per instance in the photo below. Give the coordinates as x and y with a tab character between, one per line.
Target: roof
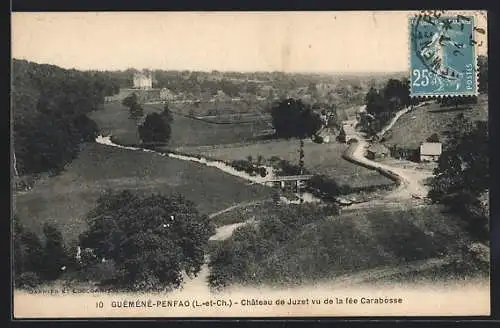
430	148
378	148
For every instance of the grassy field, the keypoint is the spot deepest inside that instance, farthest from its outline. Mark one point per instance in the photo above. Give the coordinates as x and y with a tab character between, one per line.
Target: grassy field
416	126
355	242
197	137
66	198
319	159
185	131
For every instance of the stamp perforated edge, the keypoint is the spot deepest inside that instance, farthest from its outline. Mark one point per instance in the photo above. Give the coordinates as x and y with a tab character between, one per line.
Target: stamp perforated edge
430	96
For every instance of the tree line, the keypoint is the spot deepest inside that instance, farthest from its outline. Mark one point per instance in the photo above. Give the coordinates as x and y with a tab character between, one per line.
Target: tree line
382	104
50	108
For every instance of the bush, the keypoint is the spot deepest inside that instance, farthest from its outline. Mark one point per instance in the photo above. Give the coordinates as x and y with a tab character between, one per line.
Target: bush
27	280
285	168
155	129
324	187
318	139
249	168
433	138
55	255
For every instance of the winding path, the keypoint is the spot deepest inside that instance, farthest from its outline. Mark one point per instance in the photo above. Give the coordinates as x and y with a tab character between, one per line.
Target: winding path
410	182
199	284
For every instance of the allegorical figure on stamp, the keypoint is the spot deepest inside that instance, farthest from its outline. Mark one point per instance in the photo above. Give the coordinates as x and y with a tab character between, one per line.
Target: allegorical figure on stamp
443	59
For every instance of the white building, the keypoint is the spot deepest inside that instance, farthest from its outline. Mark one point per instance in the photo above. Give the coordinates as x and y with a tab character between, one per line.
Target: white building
430	151
143	80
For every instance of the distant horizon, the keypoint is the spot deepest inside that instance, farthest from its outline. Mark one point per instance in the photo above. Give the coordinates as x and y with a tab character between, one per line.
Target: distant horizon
352	73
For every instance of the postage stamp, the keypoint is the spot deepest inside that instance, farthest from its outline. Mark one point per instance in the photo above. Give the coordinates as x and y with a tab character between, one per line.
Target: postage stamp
442	55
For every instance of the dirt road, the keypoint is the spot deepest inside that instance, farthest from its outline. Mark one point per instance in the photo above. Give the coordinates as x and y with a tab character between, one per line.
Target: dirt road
199	284
410	182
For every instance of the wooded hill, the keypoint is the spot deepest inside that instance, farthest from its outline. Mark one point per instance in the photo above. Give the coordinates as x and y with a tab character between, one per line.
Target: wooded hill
49	113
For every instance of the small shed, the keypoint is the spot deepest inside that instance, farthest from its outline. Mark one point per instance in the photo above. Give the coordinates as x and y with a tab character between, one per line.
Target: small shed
430	151
377	151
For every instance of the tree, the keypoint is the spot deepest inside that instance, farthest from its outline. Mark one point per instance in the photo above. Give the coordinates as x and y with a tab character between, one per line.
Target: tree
50	107
433	138
323	186
397	92
28	252
462	175
167	114
375	102
55	256
276	196
131	100
27	280
342	135
292	118
135	109
155	129
152	240
465	161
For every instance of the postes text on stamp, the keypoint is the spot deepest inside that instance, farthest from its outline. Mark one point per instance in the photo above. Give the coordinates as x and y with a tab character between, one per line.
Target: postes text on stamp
442	56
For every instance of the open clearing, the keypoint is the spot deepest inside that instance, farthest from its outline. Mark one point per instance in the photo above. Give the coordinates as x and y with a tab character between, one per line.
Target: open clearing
418	125
65	199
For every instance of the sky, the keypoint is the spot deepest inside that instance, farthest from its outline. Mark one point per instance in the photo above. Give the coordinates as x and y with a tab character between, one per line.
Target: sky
348	42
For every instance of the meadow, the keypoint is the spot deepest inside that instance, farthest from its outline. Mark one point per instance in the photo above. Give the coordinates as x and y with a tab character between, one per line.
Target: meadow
418	125
65	199
238	141
356	242
114	119
318	158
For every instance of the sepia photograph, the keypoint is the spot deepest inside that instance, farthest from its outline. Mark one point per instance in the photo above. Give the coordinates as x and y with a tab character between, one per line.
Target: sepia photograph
249	164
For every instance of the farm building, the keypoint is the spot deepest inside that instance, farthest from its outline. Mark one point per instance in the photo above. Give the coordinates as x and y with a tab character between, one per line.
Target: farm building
430	151
377	151
143	80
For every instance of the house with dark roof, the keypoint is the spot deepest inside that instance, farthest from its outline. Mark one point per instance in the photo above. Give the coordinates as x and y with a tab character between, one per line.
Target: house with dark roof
377	151
430	151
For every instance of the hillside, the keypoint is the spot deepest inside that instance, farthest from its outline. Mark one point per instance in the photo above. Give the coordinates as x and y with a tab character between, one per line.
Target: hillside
65	199
355	247
416	126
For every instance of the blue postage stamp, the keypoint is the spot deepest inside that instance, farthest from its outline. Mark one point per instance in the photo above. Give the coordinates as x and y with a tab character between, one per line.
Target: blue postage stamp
442	56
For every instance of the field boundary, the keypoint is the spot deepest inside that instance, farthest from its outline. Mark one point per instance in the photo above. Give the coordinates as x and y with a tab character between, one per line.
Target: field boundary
208	121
